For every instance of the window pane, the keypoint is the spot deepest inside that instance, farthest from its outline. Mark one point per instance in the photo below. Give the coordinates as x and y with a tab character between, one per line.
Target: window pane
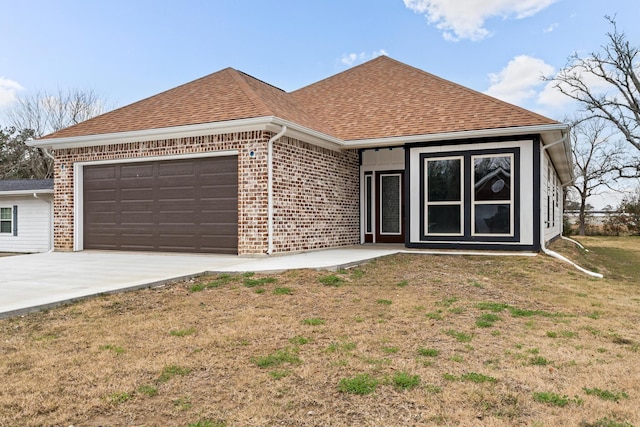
443	179
443	219
492	178
368	203
5	226
5	213
493	219
390	204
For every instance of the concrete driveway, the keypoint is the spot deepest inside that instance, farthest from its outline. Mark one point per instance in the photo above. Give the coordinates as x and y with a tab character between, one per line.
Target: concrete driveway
38	281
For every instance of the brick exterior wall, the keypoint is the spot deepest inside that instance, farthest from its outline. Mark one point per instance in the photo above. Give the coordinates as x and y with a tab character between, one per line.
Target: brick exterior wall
316	196
316	203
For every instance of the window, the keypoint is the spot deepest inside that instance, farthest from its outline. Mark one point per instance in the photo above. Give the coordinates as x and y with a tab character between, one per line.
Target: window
368	215
6	220
470	195
390	204
492	195
443	213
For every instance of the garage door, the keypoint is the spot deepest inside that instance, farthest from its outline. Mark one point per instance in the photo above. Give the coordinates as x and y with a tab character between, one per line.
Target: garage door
186	205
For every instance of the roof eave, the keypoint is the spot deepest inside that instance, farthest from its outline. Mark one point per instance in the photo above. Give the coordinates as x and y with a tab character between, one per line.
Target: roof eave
446	136
25	192
270	123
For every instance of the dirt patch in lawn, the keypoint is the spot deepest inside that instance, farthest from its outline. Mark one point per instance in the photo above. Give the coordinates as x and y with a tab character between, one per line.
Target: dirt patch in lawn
405	340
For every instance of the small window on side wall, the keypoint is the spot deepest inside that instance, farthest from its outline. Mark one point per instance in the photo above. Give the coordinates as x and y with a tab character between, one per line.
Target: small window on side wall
6	220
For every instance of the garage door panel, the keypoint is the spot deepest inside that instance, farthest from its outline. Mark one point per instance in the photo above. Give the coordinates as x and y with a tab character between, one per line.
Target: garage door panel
186	205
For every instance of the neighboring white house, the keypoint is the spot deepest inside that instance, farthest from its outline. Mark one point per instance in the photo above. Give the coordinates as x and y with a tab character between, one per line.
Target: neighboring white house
26	215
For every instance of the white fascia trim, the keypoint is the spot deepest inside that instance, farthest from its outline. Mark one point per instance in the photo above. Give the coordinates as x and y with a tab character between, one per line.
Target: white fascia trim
25	192
270	123
482	133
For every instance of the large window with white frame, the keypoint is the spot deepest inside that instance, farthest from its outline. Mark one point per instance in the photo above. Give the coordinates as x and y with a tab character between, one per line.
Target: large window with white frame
444	192
492	195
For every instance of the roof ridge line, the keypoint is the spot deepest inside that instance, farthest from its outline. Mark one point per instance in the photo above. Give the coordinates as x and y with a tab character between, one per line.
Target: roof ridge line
250	93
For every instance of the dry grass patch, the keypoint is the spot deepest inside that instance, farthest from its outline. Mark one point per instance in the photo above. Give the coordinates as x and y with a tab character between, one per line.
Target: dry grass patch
406	340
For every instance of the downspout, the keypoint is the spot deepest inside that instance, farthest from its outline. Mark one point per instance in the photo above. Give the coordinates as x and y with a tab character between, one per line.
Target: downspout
270	188
542	223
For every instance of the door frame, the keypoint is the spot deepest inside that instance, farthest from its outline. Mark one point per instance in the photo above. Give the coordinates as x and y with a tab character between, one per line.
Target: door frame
373	218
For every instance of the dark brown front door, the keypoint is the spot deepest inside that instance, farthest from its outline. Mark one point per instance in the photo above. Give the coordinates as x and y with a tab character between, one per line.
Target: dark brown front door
389	224
188	205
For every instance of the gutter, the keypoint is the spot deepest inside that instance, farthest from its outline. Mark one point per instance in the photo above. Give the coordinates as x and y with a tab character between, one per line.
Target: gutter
270	188
542	222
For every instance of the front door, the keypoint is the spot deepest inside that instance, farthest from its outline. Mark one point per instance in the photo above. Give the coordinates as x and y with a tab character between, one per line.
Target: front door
386	224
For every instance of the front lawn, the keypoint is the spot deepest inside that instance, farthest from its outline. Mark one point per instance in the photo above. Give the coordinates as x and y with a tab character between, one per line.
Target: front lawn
405	340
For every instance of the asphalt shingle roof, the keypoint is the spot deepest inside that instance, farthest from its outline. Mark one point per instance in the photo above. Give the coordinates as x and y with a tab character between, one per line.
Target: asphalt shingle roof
26	184
380	98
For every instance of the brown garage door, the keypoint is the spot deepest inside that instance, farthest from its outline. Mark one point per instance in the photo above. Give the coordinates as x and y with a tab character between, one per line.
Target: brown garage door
186	205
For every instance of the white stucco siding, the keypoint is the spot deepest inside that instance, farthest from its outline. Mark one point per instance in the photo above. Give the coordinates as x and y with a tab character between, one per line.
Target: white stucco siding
34	224
551	200
524	209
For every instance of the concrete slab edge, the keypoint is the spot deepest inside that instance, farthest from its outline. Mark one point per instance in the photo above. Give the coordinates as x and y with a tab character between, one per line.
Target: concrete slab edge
68	301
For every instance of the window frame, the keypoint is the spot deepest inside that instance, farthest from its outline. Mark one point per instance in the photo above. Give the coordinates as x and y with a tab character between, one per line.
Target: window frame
10	220
427	203
509	202
382	175
467	180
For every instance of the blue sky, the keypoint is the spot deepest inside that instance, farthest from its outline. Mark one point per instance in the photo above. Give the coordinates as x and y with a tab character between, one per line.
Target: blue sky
129	50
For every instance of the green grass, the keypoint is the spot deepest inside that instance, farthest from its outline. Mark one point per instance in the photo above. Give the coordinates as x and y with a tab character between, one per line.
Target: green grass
384	302
147	390
459	336
606	422
486	320
428	352
171	371
360	384
208	423
252	283
434	315
277	358
390	350
116	349
539	361
299	340
404	381
313	321
283	291
120	397
182	332
402	284
331	280
614	396
477	378
554	399
277	375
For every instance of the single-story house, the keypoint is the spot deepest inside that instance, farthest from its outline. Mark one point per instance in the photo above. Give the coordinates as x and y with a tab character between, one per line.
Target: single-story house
26	215
380	153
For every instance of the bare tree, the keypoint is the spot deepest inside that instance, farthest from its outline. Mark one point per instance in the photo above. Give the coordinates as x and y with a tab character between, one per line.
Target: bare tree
597	157
36	115
607	84
46	112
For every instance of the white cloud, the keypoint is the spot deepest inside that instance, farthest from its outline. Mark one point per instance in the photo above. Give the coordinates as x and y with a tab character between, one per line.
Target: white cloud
350	59
465	19
520	80
8	89
551	28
